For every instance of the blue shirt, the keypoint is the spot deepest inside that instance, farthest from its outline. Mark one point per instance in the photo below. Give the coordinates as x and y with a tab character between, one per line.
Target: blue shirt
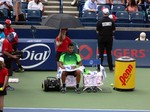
90	5
2	35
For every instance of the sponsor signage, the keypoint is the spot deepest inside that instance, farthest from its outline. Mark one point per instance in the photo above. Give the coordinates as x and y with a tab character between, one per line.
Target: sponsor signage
136	49
39	54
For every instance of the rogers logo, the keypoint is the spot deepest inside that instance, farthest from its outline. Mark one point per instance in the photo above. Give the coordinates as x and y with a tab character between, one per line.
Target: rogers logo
135	53
35	55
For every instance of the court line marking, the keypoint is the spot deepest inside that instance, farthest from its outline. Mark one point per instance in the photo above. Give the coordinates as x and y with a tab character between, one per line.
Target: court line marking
112	110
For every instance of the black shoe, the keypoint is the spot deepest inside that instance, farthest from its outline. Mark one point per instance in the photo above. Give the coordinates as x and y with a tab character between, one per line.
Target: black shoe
63	89
98	68
20	70
77	90
95	89
89	90
111	70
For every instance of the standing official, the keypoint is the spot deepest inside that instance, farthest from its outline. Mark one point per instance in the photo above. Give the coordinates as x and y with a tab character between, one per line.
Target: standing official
105	28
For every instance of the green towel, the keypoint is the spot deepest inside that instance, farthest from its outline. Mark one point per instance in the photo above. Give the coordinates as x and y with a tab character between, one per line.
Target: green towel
86	71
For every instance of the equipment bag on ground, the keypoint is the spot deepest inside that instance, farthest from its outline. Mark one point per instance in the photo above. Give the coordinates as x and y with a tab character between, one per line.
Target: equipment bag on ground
51	84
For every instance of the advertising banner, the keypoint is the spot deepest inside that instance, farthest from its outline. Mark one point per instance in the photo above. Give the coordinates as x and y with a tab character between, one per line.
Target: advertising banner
39	54
125	70
138	50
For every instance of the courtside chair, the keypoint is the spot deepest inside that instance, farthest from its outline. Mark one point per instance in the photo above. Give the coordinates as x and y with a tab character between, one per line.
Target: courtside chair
117	8
24	5
3	14
34	16
100	7
100	15
91	62
88	18
137	18
122	18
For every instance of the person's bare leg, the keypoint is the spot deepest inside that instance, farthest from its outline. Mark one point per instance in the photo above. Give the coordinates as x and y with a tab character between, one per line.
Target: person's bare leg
63	78
1	103
78	77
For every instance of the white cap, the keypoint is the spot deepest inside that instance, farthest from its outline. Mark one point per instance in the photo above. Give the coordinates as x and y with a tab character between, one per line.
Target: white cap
105	11
2	59
143	34
1	26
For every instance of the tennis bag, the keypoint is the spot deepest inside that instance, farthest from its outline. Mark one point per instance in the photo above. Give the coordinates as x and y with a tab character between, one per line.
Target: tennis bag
51	84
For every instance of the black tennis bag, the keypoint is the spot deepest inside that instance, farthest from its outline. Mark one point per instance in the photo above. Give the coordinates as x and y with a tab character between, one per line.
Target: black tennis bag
18	53
51	84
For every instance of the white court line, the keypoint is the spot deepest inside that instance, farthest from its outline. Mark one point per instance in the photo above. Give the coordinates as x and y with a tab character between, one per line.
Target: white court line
112	110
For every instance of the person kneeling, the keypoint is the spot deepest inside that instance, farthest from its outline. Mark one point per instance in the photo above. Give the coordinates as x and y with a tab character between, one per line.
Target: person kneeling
70	64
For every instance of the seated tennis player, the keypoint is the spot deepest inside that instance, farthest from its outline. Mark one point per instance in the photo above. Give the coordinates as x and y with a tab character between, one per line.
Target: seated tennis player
70	63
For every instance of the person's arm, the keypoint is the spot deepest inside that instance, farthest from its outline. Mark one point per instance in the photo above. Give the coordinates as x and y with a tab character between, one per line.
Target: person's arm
79	60
80	63
136	9
10	55
9	5
98	26
122	1
58	43
42	7
61	60
30	5
5	82
111	1
17	11
61	65
86	7
140	1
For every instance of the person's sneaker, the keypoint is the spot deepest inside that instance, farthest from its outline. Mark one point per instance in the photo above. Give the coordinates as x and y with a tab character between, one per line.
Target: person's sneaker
98	68
95	89
88	90
63	90
112	70
20	70
10	88
77	90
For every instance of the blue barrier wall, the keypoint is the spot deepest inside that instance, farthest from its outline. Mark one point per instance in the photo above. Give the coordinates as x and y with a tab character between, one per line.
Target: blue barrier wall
40	51
39	54
79	33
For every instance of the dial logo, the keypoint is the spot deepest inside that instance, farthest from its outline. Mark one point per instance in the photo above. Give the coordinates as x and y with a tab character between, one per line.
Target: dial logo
35	54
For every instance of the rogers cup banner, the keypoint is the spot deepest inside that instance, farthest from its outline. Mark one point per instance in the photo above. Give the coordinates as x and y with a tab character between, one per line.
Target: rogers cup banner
39	54
138	50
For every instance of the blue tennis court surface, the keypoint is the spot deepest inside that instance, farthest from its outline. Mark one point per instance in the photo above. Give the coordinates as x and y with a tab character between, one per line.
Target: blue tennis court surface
67	110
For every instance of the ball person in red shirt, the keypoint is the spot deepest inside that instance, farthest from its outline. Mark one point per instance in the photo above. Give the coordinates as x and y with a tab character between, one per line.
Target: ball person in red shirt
8	29
3	82
62	42
7	50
